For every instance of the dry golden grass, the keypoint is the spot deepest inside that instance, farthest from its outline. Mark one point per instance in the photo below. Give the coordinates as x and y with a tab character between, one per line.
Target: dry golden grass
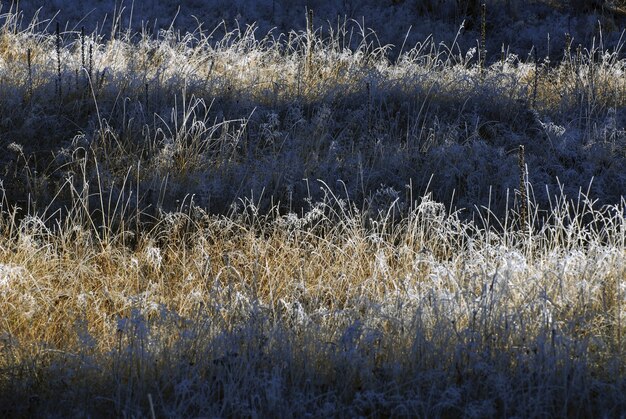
129	315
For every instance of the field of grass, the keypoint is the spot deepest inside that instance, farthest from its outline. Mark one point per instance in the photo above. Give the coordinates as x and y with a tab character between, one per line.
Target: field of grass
291	226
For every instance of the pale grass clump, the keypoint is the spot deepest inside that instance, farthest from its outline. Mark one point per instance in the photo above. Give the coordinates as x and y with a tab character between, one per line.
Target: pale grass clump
327	310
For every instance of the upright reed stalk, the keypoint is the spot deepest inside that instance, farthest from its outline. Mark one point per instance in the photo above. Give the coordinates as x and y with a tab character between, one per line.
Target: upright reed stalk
30	73
483	37
90	71
82	52
535	78
522	189
309	47
567	54
58	50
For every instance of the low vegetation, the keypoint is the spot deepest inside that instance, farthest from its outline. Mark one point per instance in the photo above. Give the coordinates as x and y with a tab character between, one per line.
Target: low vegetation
253	226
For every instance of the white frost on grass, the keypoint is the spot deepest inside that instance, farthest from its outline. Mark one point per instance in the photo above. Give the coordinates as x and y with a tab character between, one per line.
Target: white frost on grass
153	257
10	274
515	24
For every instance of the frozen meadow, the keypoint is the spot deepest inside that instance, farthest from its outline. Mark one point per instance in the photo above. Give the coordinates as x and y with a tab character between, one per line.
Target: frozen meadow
269	209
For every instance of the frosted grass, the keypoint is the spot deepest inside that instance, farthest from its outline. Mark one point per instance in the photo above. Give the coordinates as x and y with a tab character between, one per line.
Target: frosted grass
237	229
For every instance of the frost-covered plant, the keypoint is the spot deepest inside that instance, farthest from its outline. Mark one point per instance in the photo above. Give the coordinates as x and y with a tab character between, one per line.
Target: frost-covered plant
337	305
193	116
304	224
